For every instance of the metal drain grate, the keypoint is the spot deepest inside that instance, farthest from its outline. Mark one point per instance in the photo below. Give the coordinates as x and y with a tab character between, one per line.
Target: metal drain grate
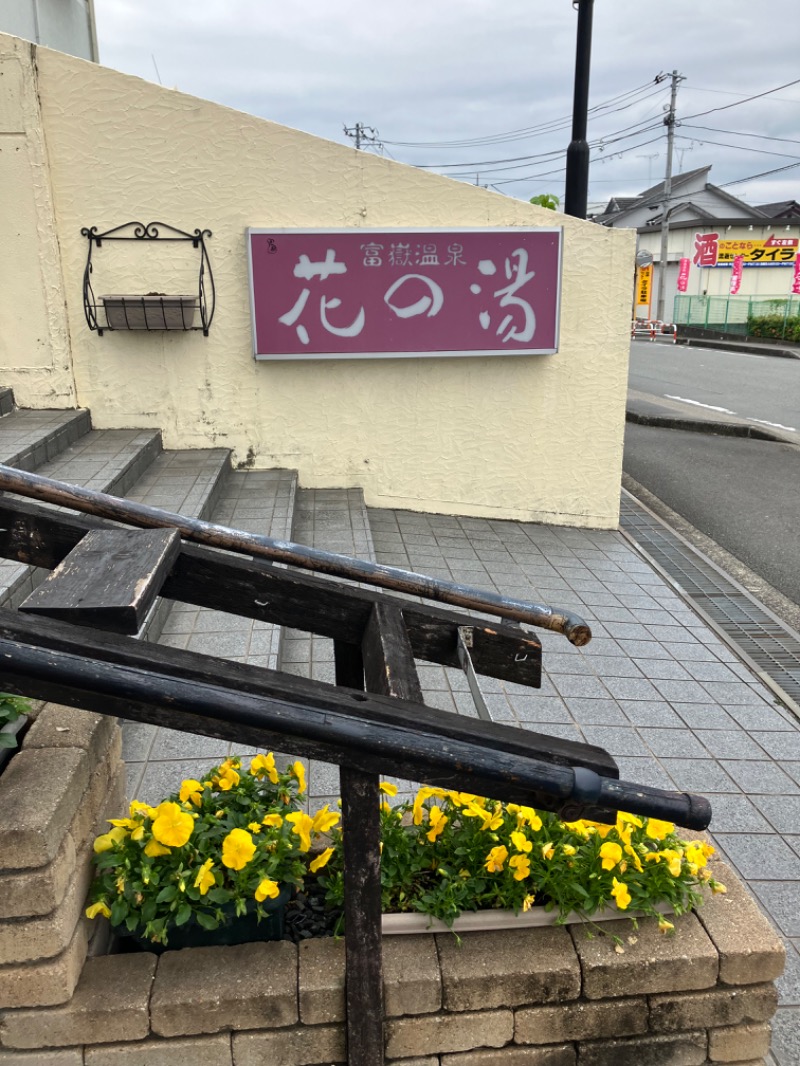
772	648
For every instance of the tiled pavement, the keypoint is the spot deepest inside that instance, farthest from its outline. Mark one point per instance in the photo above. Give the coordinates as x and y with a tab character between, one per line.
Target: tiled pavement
655	686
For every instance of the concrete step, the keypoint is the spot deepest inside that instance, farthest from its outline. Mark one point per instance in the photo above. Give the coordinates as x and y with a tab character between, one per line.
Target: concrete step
334	520
258	501
109	460
29	439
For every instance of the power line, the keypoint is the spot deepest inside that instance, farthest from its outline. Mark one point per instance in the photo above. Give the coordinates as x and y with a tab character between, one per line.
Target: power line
745	100
740	147
763	174
552	125
737	133
601	143
596	159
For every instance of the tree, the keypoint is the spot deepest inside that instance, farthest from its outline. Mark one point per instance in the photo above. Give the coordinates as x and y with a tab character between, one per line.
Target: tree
546	199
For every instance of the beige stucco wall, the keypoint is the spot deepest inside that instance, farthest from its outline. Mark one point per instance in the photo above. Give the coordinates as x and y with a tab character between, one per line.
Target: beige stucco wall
536	438
34	339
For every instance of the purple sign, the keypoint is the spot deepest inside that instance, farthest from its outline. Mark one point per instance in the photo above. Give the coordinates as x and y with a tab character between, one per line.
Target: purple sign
336	294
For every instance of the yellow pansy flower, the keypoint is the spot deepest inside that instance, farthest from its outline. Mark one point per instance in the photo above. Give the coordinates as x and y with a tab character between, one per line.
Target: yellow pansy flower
324	820
388	788
621	894
205	879
267	889
321	860
527	903
97	908
107	840
153	849
528	816
491	820
191	792
663	925
579	828
658	830
521	865
237	849
521	842
673	860
630	850
254	827
438	820
273	821
610	855
172	826
718	887
137	808
264	766
548	850
569	850
695	854
301	826
496	858
298	771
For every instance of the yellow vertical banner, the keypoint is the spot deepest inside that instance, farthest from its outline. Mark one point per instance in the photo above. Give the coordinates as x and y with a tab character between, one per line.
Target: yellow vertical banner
644	285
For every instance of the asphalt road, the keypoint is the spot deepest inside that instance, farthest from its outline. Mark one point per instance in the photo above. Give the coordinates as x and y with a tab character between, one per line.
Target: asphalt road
762	389
743	493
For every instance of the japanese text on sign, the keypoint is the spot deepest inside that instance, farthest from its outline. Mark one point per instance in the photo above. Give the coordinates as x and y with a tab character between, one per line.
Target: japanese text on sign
644	284
361	293
710	251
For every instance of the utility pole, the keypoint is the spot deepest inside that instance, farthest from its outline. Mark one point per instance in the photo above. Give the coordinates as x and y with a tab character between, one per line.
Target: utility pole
669	122
363	135
577	182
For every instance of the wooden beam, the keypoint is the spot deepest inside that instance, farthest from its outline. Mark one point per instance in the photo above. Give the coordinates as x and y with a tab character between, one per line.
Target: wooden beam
388	655
362	917
36	535
109	580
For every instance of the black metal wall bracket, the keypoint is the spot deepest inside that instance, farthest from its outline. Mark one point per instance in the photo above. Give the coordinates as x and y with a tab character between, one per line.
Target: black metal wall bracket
150	311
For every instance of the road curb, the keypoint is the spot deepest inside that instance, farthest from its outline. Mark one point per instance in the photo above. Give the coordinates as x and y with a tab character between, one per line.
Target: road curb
697	425
737	346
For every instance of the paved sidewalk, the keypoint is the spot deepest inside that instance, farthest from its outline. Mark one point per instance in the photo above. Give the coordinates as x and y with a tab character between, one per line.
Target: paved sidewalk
656	687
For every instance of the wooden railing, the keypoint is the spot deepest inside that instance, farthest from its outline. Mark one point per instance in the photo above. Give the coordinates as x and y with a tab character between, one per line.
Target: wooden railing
67	644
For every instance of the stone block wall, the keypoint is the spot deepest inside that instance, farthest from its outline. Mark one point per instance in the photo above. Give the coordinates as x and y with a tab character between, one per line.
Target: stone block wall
533	997
55	795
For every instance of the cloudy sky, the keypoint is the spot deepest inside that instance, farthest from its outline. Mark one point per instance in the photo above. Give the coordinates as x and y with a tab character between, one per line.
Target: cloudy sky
497	79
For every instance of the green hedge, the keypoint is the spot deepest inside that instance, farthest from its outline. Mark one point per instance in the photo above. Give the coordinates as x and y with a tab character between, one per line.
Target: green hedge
775	327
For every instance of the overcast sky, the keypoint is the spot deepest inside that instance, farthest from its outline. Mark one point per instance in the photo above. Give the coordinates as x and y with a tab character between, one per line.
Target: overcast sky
427	72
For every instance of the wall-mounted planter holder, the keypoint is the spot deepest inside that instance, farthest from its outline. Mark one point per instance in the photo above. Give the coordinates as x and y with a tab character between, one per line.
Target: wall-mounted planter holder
154	310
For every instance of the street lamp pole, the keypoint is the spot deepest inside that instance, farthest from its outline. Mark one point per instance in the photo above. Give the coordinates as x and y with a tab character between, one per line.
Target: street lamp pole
577	183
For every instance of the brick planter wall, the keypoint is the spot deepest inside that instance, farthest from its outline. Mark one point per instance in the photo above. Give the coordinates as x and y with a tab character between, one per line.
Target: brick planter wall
535	997
54	797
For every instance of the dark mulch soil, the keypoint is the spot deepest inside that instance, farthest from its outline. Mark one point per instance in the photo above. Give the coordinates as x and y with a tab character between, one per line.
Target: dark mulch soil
307	917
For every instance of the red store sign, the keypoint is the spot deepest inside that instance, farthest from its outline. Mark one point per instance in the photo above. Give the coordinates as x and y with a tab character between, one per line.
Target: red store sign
337	294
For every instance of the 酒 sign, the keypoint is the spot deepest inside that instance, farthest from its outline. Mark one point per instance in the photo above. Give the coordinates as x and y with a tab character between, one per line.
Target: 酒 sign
335	294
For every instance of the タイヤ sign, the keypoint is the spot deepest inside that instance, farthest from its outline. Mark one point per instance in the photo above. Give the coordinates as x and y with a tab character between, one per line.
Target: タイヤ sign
338	294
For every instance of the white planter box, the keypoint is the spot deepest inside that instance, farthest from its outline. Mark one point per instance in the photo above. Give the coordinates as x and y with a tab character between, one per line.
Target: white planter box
477	921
